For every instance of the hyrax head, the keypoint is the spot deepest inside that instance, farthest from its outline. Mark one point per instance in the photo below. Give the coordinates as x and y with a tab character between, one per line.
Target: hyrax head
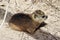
39	16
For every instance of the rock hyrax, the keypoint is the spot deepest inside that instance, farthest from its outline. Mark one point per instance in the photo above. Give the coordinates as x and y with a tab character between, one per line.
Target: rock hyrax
27	22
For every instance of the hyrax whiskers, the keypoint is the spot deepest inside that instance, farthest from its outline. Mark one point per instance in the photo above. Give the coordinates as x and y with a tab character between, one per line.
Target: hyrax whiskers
27	22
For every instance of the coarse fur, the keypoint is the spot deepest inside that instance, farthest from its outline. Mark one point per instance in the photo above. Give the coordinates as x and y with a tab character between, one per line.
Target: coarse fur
26	22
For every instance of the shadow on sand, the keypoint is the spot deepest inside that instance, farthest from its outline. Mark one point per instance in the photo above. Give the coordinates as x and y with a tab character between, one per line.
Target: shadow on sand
42	35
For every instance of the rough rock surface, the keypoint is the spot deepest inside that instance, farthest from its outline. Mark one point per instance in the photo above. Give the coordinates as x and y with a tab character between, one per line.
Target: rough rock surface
49	32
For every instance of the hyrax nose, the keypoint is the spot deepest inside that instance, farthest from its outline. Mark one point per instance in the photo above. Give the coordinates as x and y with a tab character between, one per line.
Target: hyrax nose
44	17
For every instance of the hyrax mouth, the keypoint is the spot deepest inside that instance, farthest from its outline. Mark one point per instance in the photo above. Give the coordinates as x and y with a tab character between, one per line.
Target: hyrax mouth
26	23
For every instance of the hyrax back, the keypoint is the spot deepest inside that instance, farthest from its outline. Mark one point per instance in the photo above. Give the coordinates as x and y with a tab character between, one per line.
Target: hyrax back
25	22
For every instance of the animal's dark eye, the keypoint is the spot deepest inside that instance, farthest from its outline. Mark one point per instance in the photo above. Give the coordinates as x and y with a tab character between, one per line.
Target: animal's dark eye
43	16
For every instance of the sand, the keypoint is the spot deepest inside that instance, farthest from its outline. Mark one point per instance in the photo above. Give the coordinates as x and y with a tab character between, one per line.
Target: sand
51	8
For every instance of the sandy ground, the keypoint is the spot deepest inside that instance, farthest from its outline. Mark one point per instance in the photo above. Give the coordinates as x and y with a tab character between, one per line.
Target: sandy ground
51	31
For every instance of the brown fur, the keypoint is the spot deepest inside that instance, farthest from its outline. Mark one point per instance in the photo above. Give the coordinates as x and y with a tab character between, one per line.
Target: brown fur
23	22
27	22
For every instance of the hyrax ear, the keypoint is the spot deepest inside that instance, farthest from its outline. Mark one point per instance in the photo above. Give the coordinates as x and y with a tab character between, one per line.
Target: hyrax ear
32	15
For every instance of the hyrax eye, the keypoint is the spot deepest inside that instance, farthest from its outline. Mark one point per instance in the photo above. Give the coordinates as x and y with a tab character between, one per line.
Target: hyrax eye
43	16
